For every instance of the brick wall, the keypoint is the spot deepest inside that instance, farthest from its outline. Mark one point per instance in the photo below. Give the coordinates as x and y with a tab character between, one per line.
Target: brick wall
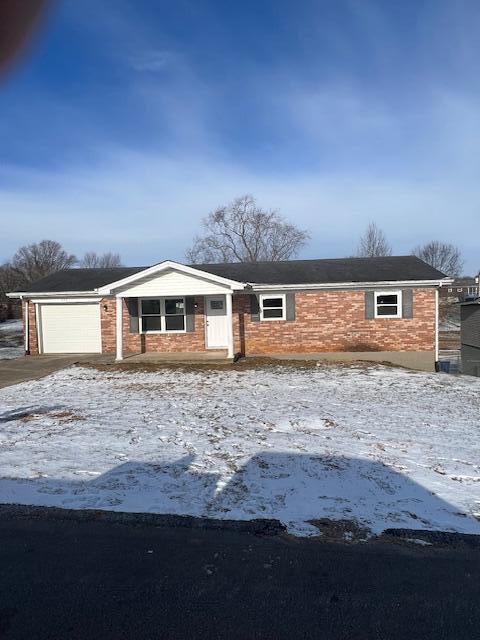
335	321
32	327
325	321
161	342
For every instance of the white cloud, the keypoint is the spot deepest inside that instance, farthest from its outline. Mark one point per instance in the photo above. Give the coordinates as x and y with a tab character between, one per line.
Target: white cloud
151	61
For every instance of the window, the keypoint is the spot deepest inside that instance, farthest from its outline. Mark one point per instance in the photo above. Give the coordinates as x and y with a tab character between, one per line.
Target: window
216	304
272	307
174	314
162	314
450	290
459	290
388	304
151	317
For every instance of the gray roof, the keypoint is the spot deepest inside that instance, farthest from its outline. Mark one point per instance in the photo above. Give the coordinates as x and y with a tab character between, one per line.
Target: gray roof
392	268
330	270
80	279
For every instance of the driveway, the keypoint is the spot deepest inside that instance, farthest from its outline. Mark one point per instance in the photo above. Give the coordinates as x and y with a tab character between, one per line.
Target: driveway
34	367
79	577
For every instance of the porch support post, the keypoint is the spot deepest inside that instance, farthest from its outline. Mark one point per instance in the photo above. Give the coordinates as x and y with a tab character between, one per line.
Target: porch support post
119	329
229	324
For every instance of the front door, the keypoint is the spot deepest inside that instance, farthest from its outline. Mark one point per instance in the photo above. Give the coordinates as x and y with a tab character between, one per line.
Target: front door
216	319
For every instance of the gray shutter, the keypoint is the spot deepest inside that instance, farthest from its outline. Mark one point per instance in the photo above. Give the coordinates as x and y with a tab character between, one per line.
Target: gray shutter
407	303
132	304
254	308
369	305
190	313
290	310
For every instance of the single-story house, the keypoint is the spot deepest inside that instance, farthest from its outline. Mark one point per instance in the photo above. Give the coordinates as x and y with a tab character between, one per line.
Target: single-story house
383	309
470	337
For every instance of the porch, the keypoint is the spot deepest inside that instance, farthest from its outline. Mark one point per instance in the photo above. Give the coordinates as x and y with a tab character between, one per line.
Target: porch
152	357
170	312
174	328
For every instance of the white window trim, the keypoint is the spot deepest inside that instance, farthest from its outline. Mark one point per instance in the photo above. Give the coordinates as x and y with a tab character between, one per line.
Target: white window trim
266	296
389	293
162	315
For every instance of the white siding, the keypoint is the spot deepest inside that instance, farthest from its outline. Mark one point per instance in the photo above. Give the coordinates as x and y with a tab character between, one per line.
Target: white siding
172	283
70	328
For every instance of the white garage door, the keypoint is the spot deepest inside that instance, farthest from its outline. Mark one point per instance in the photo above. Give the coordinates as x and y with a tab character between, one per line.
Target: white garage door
70	328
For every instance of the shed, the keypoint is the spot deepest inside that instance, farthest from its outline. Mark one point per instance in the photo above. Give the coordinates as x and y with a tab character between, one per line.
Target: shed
470	337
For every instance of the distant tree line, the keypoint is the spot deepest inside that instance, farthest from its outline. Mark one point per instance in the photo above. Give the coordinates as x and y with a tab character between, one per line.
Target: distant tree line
35	261
244	232
443	256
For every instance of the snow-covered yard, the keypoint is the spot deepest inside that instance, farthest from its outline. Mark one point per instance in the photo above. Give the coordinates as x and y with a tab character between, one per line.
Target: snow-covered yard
383	447
11	339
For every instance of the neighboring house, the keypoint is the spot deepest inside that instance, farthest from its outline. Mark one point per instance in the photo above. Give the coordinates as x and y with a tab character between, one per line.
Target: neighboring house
383	309
460	289
470	337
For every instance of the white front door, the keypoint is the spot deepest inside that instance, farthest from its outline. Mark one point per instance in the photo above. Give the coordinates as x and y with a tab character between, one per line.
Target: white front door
216	320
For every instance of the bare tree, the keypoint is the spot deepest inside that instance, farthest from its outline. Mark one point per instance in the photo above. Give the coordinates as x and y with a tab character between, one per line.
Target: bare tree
373	243
243	232
442	256
35	261
92	260
9	281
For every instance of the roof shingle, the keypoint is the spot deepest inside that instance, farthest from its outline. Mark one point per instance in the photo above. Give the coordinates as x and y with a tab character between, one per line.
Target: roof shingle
338	270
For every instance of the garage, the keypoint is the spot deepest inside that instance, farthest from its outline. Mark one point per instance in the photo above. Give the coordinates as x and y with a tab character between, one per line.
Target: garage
69	328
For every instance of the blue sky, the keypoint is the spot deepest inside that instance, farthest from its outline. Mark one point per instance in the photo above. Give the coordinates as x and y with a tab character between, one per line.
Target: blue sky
127	121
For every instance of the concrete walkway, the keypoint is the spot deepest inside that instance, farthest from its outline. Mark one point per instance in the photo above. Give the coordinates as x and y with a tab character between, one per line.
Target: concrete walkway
153	357
34	367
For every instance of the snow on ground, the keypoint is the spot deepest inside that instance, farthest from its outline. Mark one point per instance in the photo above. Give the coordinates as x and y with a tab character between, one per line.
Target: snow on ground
11	326
11	339
381	446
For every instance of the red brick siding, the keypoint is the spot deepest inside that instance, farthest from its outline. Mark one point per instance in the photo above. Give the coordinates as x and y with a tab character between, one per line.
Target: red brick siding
325	321
32	327
335	321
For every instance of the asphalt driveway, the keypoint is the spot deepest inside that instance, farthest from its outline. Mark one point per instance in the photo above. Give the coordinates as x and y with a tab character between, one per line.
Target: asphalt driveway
88	578
34	367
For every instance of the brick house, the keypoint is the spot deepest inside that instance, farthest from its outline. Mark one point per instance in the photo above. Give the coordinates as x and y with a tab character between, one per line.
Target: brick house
383	309
460	289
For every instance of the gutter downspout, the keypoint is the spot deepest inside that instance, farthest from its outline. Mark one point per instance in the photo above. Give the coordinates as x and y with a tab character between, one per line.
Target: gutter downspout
436	327
26	308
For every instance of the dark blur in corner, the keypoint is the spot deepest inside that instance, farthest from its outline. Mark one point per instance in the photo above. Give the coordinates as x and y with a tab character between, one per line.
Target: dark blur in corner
19	19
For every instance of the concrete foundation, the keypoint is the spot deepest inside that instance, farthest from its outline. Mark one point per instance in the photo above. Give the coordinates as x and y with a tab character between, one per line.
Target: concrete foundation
419	360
